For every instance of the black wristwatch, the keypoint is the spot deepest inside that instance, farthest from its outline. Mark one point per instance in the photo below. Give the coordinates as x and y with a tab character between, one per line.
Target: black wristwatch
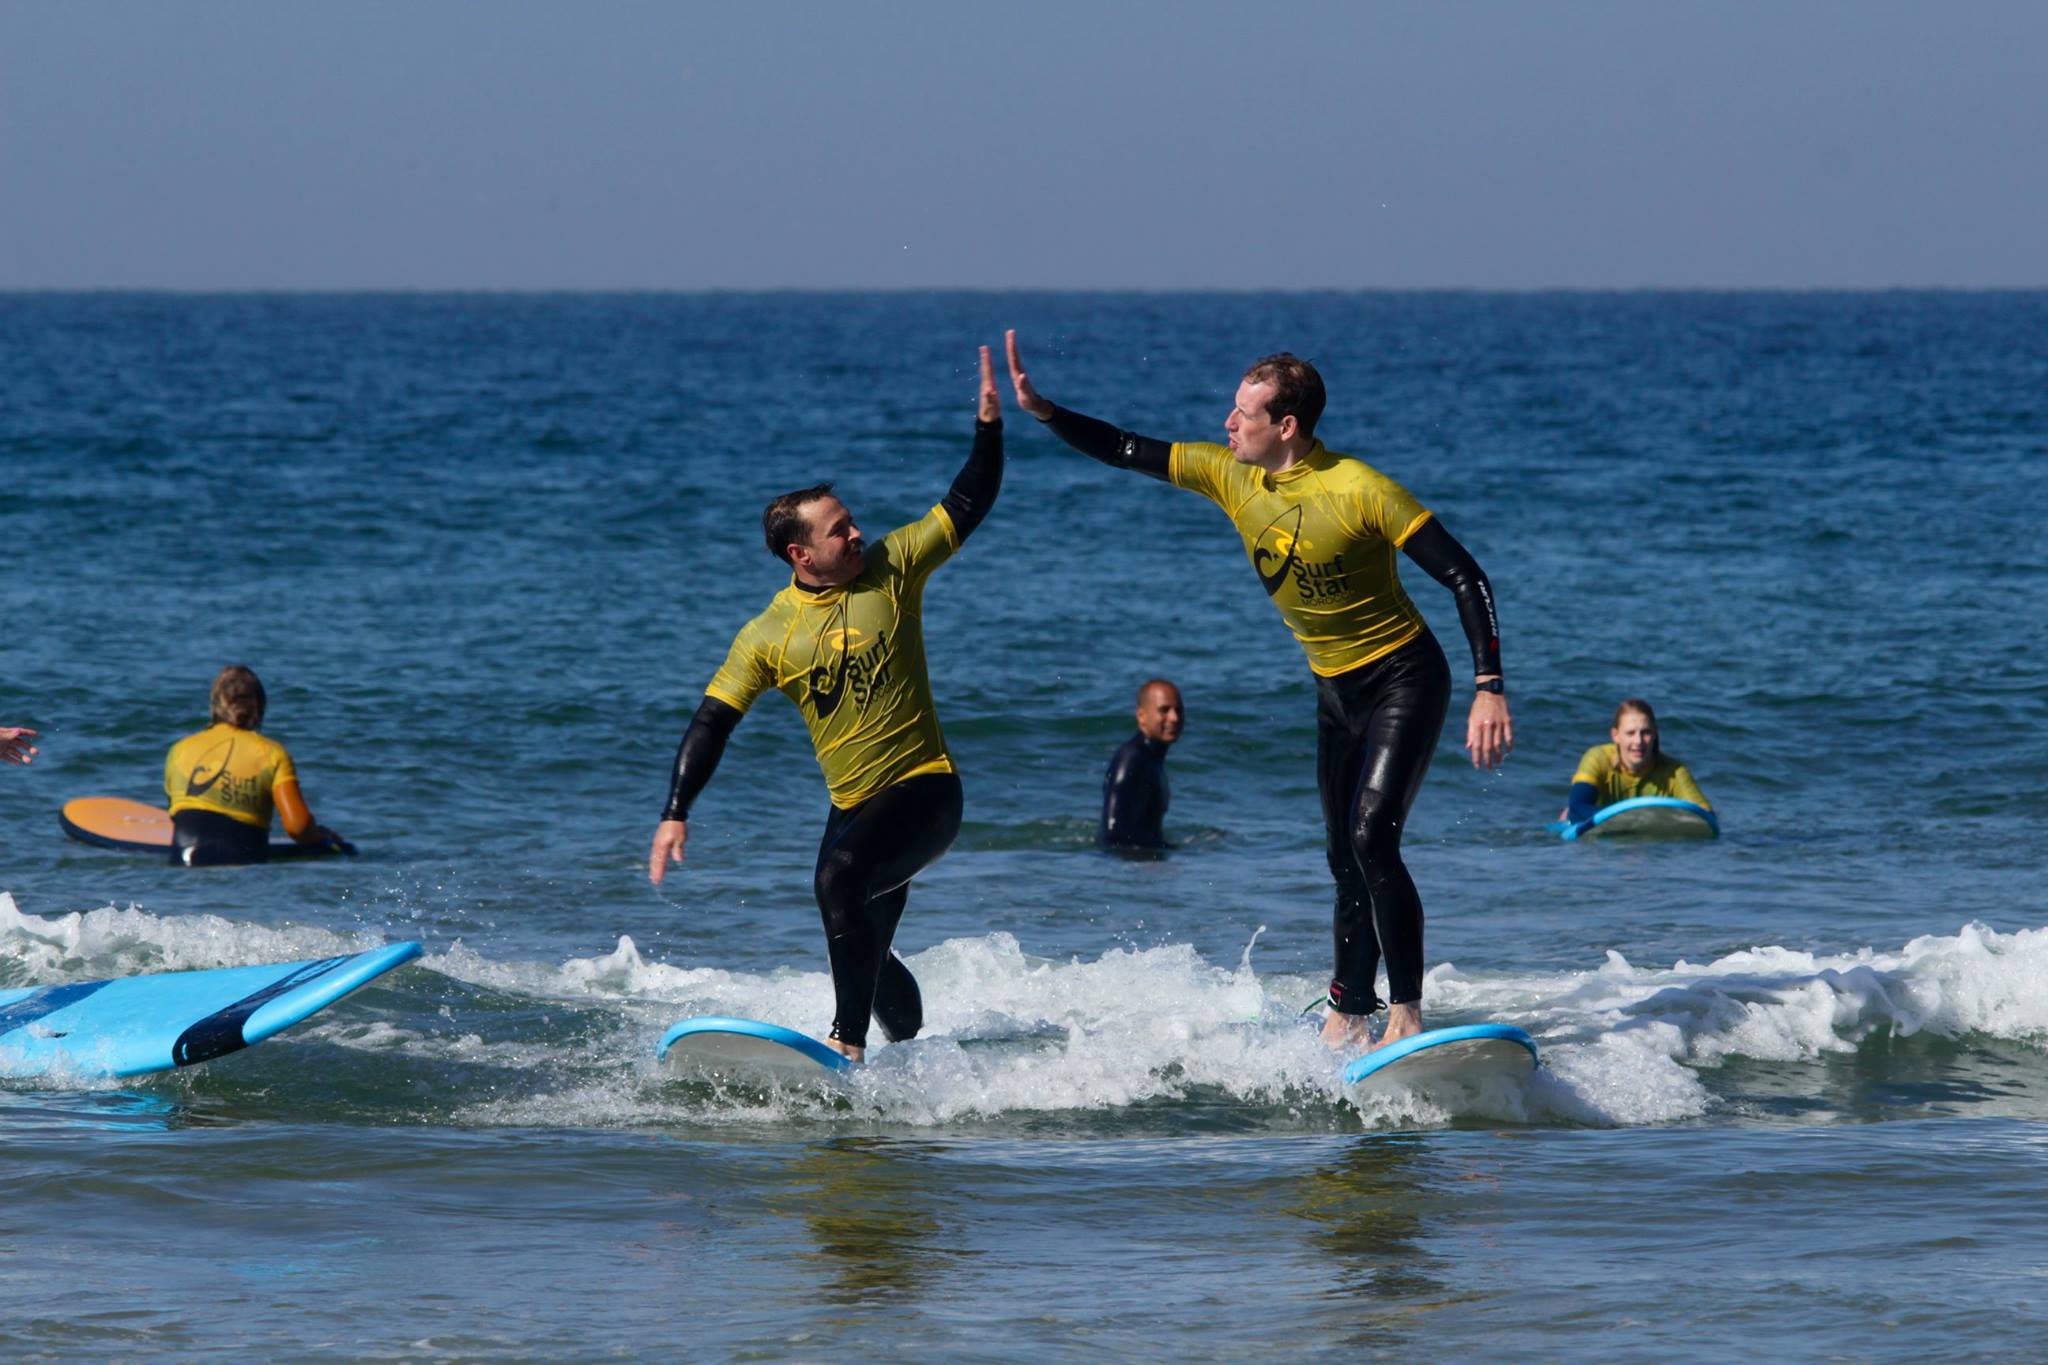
1497	686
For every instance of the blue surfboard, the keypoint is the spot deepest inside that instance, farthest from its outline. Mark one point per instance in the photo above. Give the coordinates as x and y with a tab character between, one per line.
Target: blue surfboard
136	1024
1467	1054
1664	817
746	1049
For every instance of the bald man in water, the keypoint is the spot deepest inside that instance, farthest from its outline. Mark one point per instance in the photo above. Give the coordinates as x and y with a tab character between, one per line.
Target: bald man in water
1134	794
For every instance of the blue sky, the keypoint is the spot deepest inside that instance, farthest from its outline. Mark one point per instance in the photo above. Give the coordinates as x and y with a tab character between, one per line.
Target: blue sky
429	145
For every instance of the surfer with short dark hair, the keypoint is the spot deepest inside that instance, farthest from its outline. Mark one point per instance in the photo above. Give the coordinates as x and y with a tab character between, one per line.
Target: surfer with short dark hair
1321	530
1134	791
225	781
845	642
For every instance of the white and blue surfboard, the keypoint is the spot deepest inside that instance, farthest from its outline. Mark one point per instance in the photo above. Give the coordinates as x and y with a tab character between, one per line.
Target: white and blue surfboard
1467	1055
1664	817
132	1025
747	1050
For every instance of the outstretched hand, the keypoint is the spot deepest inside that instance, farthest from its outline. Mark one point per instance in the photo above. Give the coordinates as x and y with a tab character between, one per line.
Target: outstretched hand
1028	398
14	739
1489	730
669	838
991	409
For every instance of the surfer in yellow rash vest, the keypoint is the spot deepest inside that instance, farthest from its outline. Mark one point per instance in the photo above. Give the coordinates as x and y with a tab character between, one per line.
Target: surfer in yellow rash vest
1321	530
225	781
1632	763
845	642
15	746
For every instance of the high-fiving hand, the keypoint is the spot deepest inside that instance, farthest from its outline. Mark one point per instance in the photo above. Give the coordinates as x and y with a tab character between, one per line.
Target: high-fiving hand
1028	398
991	409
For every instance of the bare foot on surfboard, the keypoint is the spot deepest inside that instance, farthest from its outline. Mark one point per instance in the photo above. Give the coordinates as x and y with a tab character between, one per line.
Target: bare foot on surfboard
1403	1021
1343	1032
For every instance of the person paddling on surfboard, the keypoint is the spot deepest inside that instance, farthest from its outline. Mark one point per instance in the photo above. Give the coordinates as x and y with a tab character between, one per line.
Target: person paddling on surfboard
845	642
1321	530
15	746
225	781
1632	763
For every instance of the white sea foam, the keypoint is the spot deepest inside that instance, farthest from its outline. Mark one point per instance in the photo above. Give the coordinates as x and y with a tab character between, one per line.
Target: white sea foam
1008	1033
83	945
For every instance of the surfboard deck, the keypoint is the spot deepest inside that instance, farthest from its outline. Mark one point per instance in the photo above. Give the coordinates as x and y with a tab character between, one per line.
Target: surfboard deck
138	827
132	1025
1465	1054
746	1050
1664	817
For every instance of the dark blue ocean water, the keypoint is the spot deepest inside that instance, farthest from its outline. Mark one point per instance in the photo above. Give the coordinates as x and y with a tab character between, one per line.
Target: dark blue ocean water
485	552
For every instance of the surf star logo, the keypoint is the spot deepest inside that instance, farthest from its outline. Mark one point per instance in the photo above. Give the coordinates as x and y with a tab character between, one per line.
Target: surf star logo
856	657
198	782
1280	541
1325	582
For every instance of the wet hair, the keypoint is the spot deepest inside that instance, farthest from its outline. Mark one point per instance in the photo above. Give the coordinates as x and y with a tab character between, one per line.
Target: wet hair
1149	684
783	520
1297	389
238	698
1637	704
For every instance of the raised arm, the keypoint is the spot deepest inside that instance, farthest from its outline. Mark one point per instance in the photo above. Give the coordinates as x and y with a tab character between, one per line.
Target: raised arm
1489	730
1092	437
981	478
696	759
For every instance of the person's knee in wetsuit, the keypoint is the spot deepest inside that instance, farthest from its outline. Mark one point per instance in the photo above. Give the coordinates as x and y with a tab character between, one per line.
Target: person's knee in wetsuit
865	862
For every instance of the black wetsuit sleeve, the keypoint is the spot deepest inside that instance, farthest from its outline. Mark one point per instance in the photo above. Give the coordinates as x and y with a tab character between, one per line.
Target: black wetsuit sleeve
1098	440
979	480
1581	803
697	756
1451	564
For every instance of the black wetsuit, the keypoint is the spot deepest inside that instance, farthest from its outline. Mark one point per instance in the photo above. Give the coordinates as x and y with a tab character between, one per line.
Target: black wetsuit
206	838
870	851
1376	730
1134	795
865	863
1377	726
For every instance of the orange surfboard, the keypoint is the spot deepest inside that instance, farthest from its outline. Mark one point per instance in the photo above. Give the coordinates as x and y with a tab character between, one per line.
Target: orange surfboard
116	822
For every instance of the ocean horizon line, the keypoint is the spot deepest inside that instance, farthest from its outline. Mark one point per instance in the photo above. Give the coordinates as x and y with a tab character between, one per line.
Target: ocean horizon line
938	291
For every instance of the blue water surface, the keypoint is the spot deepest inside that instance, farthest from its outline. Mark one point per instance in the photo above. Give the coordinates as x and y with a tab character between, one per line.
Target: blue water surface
485	551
